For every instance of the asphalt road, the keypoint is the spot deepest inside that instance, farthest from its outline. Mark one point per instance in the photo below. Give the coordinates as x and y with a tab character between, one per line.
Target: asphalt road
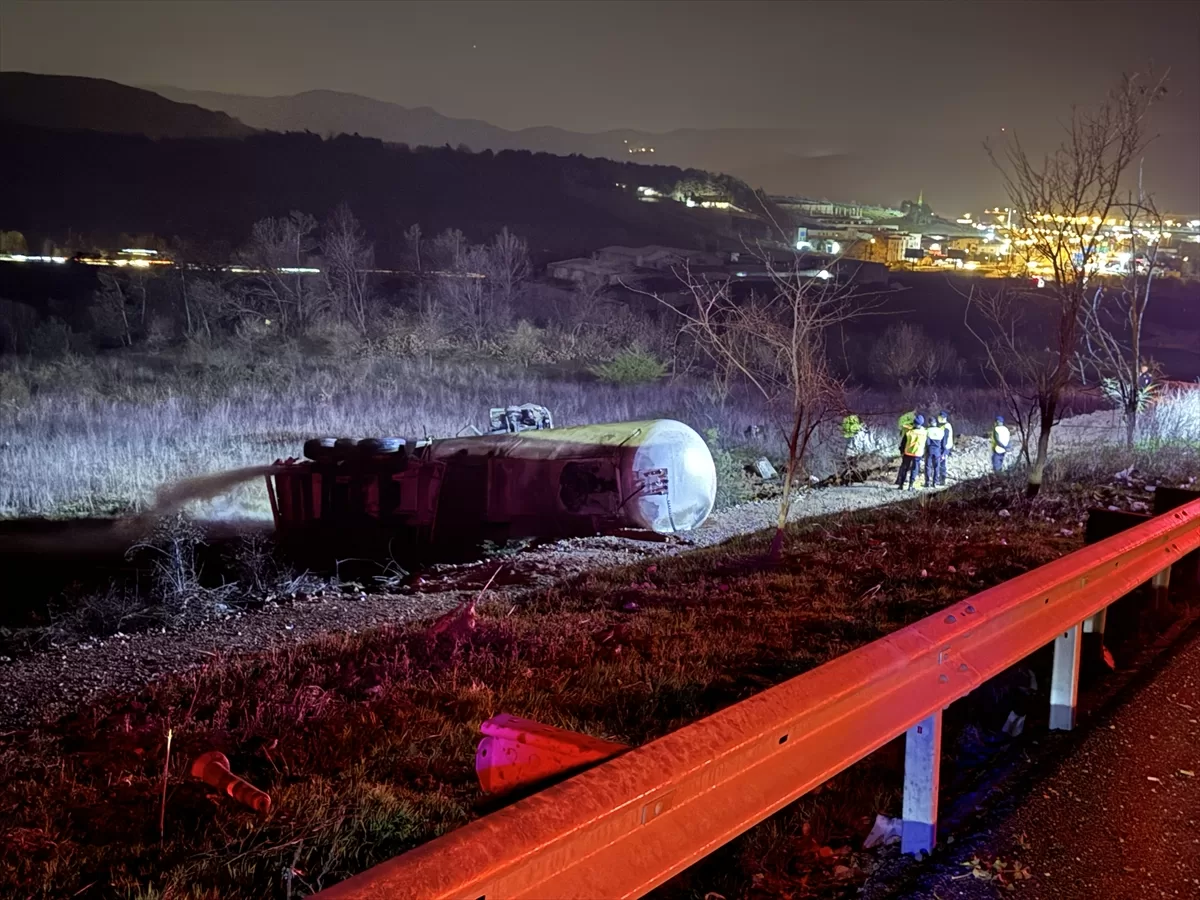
1119	818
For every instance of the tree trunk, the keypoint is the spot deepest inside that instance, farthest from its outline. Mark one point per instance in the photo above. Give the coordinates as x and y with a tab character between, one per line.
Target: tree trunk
1034	483
785	503
785	507
1131	411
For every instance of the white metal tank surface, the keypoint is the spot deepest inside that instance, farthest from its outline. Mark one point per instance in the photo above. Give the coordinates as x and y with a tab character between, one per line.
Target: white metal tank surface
655	474
691	477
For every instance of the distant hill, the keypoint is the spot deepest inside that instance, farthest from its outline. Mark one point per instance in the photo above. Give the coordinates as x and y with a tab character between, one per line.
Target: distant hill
785	159
215	189
840	152
93	104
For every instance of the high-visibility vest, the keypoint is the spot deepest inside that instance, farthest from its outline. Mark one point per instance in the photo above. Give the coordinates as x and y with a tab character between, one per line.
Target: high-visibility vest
934	435
914	441
949	434
999	439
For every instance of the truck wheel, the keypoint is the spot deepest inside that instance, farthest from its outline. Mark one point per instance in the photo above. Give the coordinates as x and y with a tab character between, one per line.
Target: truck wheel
319	449
381	446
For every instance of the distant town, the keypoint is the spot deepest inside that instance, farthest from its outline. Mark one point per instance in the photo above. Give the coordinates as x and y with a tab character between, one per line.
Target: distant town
834	239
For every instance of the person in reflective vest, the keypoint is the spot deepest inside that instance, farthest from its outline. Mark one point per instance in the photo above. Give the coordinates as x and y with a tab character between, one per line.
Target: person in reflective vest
935	449
1000	439
912	449
852	428
943	419
905	422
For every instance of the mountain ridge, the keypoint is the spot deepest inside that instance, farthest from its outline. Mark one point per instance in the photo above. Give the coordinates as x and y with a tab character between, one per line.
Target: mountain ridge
72	103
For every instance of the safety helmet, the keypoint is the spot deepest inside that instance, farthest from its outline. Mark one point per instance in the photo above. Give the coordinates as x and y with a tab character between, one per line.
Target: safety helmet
943	414
919	420
999	420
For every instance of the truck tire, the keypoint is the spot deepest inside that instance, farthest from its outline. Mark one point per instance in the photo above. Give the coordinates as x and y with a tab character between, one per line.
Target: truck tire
319	449
381	446
345	447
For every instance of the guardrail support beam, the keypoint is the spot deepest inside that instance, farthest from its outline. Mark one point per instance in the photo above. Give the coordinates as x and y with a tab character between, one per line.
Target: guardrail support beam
1161	584
1064	679
1096	624
922	766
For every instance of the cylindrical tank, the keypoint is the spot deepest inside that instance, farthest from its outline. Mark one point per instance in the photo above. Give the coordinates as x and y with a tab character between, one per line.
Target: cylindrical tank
656	474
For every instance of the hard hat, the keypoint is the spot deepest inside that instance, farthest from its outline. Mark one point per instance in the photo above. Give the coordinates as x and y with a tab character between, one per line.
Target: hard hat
943	414
999	420
919	420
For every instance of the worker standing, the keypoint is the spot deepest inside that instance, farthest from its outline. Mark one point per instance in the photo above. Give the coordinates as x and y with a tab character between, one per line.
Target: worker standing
851	431
1000	439
905	422
948	446
912	449
935	449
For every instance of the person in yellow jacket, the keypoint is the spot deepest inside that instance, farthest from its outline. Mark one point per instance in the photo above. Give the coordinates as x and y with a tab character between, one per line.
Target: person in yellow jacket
1000	440
912	450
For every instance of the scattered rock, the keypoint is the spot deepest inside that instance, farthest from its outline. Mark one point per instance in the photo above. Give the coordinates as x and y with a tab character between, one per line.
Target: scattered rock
886	830
765	470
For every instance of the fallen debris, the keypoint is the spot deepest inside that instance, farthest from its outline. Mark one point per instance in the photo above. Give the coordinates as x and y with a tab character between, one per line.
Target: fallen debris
765	470
518	752
886	830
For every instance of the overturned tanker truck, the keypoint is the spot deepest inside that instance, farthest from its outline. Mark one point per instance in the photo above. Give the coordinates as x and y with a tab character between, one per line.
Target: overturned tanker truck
523	479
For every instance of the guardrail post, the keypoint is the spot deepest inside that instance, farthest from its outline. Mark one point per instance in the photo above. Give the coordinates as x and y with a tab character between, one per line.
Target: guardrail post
1161	584
1064	679
922	765
1187	569
1095	624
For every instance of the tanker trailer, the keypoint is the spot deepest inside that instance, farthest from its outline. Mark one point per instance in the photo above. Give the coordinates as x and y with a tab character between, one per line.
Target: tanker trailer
656	475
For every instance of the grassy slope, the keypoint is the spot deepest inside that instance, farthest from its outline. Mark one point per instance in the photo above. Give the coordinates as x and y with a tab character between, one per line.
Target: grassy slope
366	743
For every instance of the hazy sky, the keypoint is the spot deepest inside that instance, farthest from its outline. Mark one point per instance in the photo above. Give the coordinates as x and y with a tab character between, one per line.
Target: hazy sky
962	66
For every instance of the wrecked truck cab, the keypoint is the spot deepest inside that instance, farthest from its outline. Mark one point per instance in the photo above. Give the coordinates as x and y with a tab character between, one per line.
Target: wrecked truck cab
535	481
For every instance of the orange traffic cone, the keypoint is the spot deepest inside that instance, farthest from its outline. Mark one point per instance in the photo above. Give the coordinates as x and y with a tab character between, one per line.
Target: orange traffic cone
213	769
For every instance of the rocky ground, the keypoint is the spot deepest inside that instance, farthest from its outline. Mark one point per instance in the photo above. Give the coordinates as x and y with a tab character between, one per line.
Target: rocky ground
48	683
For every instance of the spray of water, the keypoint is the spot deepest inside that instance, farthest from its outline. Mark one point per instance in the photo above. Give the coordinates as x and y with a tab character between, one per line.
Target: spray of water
171	498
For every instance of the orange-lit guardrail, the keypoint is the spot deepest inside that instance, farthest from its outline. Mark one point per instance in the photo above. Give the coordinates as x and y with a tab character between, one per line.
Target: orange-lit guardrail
628	825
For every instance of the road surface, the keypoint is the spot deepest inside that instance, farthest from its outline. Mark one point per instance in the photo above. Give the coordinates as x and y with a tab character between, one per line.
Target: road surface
1118	818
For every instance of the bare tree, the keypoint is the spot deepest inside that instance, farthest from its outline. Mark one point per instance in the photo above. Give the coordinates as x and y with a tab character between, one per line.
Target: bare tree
1015	367
903	356
444	253
776	343
114	309
468	296
412	240
507	266
1061	201
477	285
348	261
278	249
1112	319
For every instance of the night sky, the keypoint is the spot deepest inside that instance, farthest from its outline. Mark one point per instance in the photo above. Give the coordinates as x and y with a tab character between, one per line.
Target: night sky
918	73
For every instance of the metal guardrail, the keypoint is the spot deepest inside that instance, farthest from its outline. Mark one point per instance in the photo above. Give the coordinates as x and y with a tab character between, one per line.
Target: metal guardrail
626	826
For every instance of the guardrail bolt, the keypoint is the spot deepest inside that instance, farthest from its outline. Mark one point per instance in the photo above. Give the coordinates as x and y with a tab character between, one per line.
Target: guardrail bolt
950	620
